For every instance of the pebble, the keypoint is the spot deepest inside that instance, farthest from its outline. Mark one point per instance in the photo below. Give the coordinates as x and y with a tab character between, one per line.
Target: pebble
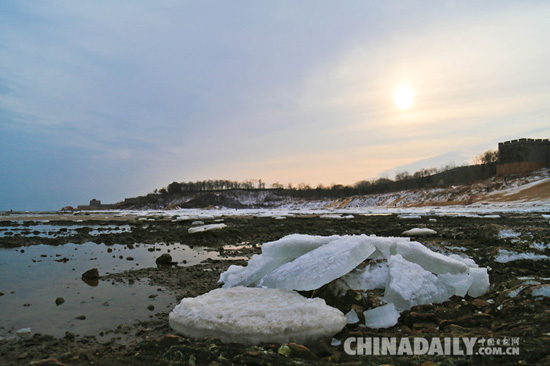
59	301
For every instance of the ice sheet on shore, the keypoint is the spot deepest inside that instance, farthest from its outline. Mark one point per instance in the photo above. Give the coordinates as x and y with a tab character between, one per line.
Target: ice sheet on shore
254	315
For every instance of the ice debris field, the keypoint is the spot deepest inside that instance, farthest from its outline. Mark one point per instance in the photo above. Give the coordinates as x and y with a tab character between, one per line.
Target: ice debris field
259	303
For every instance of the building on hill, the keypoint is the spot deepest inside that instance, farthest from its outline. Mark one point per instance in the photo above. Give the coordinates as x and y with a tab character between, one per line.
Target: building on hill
523	156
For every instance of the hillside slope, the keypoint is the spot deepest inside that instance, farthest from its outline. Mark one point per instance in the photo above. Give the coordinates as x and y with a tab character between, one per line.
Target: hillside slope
532	188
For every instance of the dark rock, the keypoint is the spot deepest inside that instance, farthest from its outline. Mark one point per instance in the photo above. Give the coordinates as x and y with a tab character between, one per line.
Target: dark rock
164	259
59	301
81	317
150	308
129	258
90	274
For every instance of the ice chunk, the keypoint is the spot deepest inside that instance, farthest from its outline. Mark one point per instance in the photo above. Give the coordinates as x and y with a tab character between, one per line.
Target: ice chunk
322	265
460	281
199	229
429	260
419	232
258	266
295	245
381	317
254	315
480	281
544	290
351	317
410	285
373	276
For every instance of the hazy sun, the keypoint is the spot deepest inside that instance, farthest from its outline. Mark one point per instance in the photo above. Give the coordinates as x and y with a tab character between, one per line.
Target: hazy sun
403	97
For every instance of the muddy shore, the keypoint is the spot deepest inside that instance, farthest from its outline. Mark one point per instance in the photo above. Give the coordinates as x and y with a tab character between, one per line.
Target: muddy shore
496	314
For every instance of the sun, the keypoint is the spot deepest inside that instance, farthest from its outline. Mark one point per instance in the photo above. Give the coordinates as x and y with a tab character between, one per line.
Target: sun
403	97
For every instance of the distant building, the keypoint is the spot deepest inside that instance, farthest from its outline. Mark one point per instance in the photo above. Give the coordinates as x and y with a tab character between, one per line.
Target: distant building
95	205
523	156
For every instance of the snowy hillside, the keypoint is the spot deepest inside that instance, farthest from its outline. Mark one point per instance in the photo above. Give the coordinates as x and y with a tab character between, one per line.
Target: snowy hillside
533	188
526	189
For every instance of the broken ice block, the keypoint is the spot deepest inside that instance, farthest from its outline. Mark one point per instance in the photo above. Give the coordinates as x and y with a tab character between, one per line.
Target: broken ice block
411	285
381	317
322	265
480	281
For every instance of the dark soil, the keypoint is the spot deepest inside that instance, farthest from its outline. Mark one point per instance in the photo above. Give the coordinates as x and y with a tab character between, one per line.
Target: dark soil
493	315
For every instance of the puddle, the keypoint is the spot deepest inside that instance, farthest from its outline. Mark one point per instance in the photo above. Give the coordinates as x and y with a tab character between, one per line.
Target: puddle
32	278
53	231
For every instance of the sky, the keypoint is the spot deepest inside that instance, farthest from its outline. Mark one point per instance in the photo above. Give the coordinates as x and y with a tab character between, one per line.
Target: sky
110	99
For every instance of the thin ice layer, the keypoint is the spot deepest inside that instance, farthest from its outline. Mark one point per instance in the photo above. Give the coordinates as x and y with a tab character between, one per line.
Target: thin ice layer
254	315
322	265
410	285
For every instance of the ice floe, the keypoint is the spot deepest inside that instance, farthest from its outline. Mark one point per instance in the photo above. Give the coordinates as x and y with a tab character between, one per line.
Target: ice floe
254	315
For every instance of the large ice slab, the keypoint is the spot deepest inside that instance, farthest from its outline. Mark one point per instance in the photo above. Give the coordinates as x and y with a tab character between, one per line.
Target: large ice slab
295	245
254	315
410	285
322	265
429	260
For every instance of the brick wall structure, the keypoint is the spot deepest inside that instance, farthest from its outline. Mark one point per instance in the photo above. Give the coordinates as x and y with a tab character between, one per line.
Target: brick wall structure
523	156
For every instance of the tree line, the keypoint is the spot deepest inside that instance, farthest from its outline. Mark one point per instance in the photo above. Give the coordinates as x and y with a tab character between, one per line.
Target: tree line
423	178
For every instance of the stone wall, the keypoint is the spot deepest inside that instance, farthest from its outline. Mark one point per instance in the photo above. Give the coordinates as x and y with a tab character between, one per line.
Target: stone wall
523	156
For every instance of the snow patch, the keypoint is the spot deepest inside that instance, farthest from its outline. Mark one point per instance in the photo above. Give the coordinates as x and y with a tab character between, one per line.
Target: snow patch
505	256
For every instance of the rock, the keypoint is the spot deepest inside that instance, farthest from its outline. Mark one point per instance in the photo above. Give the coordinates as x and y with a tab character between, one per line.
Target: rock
59	301
91	274
129	258
164	259
81	317
24	332
150	308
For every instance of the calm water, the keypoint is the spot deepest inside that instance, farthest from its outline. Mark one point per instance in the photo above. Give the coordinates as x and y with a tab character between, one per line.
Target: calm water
31	278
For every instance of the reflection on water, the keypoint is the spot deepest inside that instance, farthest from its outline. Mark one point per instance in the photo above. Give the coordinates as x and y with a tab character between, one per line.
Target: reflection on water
32	278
